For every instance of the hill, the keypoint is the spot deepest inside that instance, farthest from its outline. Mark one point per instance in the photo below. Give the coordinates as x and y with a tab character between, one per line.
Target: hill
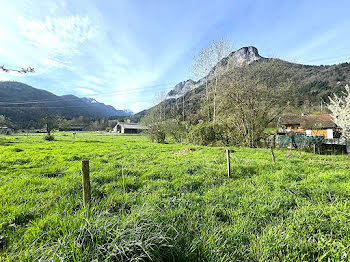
308	85
25	105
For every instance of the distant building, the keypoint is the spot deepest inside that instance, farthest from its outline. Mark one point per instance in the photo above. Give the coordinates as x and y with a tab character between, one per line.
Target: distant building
6	130
309	125
128	128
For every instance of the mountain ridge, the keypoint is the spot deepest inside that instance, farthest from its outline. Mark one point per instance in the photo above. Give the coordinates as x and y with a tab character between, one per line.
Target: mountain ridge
23	103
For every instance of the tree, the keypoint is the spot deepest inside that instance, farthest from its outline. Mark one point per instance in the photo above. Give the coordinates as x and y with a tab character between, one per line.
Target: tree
49	120
221	48
4	121
49	124
154	119
156	131
159	108
251	98
175	129
208	65
201	67
340	111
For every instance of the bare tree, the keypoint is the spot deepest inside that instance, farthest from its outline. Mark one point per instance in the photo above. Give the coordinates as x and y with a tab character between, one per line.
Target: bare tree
340	111
221	48
201	67
21	71
159	99
208	65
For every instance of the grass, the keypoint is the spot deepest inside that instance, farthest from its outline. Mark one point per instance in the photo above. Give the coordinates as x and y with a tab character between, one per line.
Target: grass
168	203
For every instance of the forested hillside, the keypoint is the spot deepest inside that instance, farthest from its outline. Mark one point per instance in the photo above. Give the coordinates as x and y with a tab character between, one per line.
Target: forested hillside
25	105
241	102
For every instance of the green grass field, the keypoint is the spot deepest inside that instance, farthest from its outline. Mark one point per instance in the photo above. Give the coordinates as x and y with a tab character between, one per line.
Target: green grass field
168	203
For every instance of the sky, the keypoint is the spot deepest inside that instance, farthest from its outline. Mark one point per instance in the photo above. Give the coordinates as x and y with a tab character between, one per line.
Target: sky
126	53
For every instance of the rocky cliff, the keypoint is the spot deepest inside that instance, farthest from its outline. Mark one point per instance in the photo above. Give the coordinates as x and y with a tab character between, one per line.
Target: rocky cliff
244	55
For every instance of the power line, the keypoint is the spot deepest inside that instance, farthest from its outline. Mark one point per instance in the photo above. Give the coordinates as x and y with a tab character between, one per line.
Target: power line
129	91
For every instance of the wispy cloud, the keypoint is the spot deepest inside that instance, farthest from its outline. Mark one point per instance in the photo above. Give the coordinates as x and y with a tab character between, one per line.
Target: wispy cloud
86	91
113	52
59	38
121	51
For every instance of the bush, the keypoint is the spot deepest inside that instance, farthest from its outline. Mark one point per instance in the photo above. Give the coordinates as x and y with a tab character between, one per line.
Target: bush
175	129
202	134
49	137
157	133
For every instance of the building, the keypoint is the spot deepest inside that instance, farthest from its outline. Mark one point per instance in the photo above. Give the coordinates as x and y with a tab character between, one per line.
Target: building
128	128
6	130
309	125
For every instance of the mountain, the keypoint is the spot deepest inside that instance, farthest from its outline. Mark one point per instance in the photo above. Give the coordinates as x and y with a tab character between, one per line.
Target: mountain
182	88
106	109
304	88
23	104
242	56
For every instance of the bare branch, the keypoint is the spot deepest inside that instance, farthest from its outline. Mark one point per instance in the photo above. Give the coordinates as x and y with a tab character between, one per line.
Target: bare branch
22	71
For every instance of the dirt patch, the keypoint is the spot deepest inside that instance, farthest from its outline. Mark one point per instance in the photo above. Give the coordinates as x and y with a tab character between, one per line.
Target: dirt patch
186	151
290	155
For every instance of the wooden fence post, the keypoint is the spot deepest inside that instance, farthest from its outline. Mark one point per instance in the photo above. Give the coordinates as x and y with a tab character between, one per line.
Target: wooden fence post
86	182
228	162
273	156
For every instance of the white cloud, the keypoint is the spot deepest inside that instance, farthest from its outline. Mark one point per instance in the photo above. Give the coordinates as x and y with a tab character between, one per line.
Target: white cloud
86	91
50	62
58	38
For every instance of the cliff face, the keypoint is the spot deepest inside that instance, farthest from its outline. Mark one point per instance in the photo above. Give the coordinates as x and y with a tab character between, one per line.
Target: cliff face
182	88
244	55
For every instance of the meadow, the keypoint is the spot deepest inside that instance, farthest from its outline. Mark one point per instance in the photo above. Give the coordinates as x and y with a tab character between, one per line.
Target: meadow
169	202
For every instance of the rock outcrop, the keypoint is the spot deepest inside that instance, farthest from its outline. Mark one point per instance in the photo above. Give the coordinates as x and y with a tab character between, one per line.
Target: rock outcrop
242	56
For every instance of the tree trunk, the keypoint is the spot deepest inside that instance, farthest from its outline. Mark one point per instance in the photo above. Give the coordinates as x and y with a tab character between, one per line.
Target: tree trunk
214	102
48	129
183	108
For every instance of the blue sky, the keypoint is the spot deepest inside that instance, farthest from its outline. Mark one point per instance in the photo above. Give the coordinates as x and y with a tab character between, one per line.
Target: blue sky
123	53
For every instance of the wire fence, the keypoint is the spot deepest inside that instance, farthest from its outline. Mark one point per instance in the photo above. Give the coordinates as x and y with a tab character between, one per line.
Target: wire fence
299	141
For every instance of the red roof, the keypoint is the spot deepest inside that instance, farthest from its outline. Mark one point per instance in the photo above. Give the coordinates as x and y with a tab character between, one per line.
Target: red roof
308	121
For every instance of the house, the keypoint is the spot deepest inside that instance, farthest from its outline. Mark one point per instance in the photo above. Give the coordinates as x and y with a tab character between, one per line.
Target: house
309	125
128	128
